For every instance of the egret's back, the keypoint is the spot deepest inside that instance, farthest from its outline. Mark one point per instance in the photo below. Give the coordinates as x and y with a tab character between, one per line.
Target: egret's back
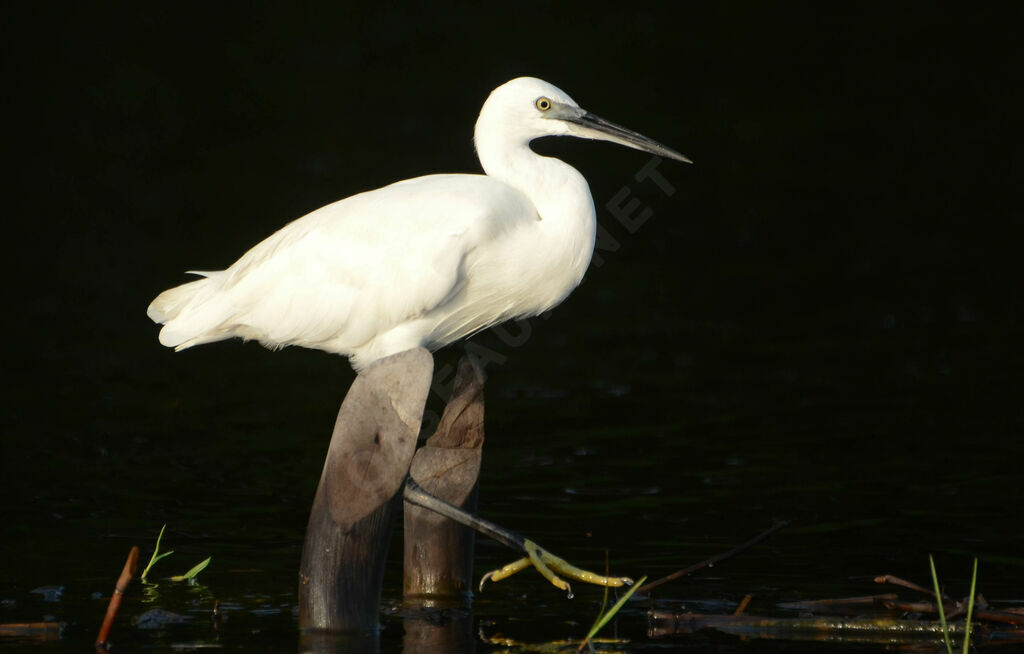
352	271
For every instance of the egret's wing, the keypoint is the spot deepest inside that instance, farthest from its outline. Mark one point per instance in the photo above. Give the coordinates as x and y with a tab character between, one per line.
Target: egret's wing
358	267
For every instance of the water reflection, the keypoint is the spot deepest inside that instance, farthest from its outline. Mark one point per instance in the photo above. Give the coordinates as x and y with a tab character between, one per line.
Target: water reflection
325	642
423	632
438	630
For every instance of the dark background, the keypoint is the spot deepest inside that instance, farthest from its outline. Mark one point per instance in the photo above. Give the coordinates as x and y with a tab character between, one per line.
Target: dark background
831	297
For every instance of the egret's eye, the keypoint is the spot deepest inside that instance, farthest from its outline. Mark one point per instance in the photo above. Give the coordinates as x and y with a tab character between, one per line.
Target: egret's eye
543	103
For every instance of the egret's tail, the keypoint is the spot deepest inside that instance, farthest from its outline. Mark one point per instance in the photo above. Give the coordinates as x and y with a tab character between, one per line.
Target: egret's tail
191	313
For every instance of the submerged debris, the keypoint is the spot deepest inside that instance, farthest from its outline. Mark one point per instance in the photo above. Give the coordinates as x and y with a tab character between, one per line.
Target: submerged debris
882	618
159	618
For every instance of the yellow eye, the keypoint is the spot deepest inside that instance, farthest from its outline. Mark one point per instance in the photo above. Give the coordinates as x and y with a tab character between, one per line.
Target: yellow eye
543	103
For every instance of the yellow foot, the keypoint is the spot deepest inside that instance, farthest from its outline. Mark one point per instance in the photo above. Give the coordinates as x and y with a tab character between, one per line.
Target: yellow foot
548	564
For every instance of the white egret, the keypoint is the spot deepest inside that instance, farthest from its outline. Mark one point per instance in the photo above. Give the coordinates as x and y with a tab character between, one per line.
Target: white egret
422	262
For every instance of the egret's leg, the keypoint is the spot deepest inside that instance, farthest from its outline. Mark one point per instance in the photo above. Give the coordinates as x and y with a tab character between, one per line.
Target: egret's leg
548	565
544	561
505	571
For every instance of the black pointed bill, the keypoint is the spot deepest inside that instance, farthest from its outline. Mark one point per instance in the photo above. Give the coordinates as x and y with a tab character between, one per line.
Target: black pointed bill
587	125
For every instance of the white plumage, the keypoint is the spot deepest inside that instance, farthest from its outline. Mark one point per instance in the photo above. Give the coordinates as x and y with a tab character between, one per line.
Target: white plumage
422	262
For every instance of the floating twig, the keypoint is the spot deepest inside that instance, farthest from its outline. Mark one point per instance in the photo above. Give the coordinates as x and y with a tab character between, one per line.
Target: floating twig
713	560
840	602
743	604
41	630
897	581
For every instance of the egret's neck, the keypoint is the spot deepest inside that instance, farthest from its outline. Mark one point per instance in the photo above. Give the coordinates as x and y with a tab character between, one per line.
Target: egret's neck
558	190
567	227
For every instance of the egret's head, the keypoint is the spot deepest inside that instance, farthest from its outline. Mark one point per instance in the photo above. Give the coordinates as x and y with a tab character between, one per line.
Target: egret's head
527	108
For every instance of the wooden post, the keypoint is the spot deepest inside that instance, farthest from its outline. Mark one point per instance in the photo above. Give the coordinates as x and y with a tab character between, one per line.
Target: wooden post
360	490
438	551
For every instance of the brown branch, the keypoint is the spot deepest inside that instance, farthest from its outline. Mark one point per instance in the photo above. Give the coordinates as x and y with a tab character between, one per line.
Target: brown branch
892	603
115	600
911	607
1008	616
40	630
841	602
713	560
897	581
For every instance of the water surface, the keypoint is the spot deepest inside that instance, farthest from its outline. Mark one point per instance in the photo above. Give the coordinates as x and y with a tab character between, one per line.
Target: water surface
821	324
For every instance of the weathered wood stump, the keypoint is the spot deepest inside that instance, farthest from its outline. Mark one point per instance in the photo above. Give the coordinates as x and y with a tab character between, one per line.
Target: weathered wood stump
438	563
359	494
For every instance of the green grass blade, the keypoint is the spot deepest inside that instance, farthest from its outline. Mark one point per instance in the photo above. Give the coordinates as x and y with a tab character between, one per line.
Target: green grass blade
604	597
603	620
156	554
938	603
191	574
594	628
970	607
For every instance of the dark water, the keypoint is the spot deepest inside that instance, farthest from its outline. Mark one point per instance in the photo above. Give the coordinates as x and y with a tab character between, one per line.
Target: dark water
821	324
